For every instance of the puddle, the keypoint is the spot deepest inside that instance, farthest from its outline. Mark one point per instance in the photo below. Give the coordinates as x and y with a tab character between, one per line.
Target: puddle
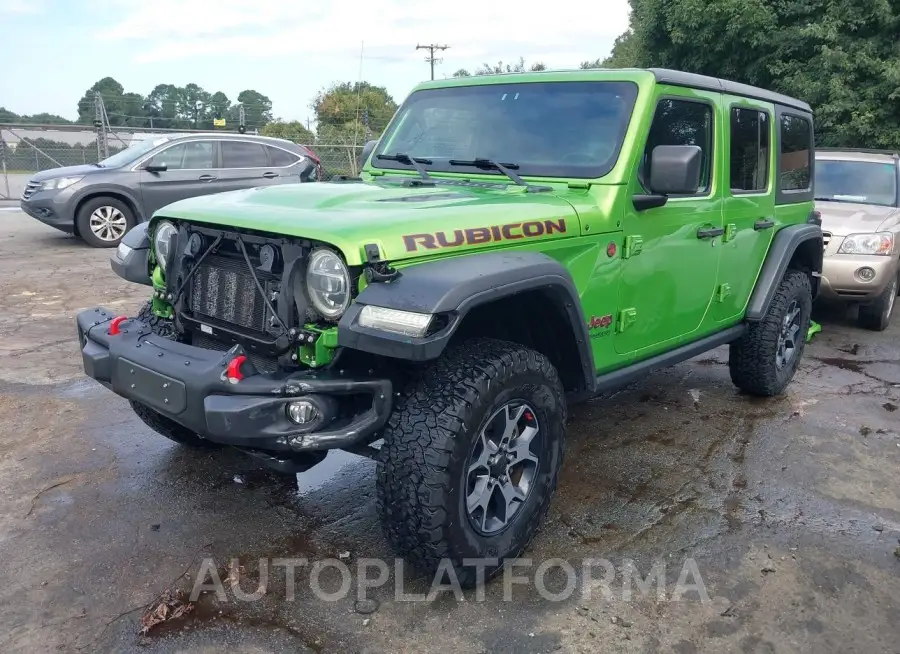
317	477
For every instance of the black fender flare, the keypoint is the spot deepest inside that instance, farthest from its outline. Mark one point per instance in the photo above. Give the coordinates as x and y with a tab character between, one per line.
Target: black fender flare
784	246
453	287
134	266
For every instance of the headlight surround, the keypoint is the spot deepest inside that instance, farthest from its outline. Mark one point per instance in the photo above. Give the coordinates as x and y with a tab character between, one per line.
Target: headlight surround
881	243
328	283
59	183
162	241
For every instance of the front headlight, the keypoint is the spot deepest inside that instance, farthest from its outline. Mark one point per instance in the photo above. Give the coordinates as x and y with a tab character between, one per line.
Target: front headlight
162	241
328	283
878	243
59	183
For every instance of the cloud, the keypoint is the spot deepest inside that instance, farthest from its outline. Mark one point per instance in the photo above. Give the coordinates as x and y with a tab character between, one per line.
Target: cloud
476	31
21	6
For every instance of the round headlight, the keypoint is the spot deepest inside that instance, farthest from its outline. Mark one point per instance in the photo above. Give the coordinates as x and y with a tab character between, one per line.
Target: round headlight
162	241
328	283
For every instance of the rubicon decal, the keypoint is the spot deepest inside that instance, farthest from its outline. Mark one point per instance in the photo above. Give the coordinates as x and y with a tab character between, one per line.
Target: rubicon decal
478	235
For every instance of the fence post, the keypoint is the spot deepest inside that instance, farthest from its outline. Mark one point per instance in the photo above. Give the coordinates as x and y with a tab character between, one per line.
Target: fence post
37	164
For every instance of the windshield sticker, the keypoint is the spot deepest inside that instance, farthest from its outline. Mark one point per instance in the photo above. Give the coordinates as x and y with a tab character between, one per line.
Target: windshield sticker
479	235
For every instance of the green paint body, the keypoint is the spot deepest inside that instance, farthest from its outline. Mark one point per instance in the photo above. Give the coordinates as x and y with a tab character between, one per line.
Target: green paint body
662	287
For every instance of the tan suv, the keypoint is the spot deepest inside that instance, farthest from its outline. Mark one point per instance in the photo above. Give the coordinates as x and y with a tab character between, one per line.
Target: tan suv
857	195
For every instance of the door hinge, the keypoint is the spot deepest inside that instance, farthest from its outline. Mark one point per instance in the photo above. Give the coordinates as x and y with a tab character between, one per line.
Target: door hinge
627	317
722	292
730	231
633	246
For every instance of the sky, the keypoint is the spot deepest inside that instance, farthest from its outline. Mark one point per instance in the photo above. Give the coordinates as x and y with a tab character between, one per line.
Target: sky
54	50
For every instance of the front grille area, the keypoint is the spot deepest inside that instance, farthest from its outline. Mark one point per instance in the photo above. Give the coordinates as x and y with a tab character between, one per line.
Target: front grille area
223	290
30	189
263	364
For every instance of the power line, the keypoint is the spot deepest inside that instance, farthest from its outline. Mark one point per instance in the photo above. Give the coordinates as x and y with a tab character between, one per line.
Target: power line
431	59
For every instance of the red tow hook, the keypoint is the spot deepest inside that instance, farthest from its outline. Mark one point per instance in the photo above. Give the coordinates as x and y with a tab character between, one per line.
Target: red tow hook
233	371
114	325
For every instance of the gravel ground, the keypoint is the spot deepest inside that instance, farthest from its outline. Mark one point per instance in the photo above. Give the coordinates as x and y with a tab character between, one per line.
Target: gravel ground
786	511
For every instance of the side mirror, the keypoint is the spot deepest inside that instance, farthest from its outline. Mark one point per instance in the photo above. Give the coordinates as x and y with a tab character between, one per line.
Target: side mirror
366	151
675	169
156	168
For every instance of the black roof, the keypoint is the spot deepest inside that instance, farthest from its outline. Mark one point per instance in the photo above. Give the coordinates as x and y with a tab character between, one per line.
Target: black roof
694	81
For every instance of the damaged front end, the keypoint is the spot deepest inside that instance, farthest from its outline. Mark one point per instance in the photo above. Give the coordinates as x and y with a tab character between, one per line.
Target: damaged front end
253	361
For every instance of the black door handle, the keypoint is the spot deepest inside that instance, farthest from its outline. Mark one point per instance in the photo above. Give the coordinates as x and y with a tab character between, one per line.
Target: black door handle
710	232
763	223
270	175
206	178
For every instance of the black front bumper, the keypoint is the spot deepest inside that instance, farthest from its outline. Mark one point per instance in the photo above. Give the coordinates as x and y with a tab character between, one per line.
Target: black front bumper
188	385
49	212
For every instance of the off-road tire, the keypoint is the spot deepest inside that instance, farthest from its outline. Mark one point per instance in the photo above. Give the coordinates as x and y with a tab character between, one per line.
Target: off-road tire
153	419
421	473
83	220
877	315
752	358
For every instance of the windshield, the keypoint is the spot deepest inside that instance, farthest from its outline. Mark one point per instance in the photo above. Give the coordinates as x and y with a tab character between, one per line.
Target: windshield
866	182
547	129
132	153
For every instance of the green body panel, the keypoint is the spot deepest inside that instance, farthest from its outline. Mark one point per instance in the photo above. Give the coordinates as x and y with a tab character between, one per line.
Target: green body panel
646	282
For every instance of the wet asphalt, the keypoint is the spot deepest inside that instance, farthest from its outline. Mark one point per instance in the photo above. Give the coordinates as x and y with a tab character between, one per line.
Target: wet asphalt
788	510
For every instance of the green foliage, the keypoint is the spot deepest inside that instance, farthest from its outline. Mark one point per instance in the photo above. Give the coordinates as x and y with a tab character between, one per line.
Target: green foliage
7	116
345	102
293	131
173	107
843	56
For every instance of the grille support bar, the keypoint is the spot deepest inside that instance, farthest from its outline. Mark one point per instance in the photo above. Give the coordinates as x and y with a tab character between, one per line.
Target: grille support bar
259	287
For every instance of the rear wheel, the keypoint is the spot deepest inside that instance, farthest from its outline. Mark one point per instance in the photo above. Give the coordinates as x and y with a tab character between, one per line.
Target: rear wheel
103	221
152	418
763	361
877	316
471	458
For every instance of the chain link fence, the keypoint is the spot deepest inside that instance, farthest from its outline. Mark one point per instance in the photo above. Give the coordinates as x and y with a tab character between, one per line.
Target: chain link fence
26	150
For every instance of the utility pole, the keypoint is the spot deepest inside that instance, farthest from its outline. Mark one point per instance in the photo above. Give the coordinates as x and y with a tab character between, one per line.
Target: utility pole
101	121
431	59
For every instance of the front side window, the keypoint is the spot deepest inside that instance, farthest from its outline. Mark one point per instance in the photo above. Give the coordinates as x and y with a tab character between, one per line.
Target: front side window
681	122
865	182
547	129
243	154
749	157
194	155
796	153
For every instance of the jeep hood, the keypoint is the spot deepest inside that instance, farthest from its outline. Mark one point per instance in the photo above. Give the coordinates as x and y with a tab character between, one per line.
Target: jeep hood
403	221
843	218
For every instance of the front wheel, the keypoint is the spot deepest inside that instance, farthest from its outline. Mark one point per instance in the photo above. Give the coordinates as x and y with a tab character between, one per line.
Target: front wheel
103	221
763	361
877	316
471	458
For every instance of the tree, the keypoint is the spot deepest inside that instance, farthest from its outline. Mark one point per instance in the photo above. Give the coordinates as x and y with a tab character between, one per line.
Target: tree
257	109
839	56
293	131
345	102
111	91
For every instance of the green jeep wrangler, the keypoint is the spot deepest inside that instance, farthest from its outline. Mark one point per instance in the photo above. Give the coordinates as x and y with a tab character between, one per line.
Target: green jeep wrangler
514	244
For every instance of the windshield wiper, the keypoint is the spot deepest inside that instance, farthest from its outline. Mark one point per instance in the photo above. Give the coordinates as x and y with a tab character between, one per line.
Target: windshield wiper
487	164
415	162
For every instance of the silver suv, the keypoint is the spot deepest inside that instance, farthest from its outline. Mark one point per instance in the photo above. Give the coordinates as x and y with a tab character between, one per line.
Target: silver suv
858	195
100	202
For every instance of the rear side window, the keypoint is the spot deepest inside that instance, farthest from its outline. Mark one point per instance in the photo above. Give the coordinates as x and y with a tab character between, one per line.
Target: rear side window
239	154
749	156
681	122
281	157
796	153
